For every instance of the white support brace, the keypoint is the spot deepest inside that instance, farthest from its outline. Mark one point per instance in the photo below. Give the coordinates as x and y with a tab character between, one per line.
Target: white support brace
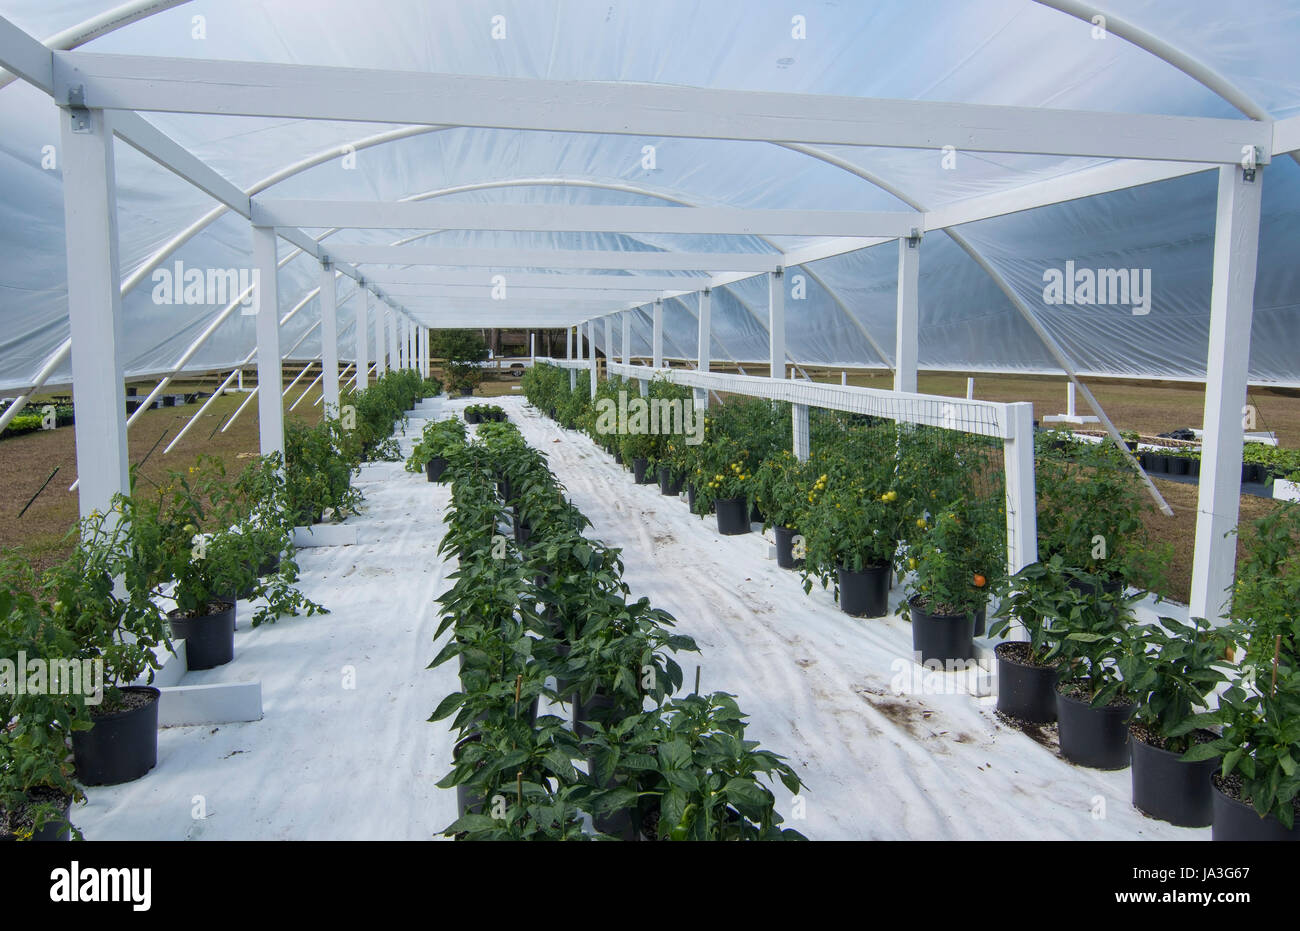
591	354
94	308
1232	296
625	344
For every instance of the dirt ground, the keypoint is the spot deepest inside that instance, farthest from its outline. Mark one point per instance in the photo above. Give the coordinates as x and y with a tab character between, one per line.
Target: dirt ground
1148	407
27	461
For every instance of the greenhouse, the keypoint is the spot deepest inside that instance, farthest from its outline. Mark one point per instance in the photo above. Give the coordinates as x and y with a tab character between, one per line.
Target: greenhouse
650	421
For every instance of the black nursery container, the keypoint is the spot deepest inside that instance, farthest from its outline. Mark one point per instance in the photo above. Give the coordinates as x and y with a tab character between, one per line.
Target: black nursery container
209	638
785	548
733	516
1167	788
1094	737
435	467
942	637
1025	691
1237	821
121	746
640	466
865	593
669	484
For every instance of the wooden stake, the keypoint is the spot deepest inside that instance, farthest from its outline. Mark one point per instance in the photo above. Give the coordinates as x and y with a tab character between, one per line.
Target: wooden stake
697	680
1277	648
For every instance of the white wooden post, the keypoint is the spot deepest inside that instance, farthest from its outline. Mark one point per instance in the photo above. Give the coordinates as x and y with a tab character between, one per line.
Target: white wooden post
94	308
591	352
381	349
625	318
390	318
657	334
776	323
703	343
970	389
270	404
906	341
1022	503
1232	296
329	338
609	343
568	343
363	338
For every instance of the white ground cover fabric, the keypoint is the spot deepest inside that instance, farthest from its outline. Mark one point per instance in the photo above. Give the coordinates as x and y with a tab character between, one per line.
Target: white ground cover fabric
818	685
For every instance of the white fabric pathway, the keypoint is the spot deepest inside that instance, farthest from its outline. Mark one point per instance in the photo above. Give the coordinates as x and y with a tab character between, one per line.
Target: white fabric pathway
331	762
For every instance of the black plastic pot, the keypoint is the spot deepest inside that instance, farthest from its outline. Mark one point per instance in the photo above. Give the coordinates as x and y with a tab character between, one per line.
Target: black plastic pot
1024	691
473	417
690	496
942	637
593	709
121	746
209	638
1237	821
618	457
1177	465
466	392
1087	587
755	515
1165	787
865	593
669	484
523	533
640	468
785	548
1157	464
733	516
435	467
1194	467
1093	737
981	621
54	831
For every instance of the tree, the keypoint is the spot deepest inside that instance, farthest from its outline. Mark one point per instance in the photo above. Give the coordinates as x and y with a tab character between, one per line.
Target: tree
462	350
458	345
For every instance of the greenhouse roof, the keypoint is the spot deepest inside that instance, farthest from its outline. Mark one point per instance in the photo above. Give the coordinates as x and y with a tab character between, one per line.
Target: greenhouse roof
604	155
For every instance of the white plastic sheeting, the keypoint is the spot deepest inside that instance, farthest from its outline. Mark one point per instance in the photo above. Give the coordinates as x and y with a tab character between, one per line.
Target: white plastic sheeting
981	51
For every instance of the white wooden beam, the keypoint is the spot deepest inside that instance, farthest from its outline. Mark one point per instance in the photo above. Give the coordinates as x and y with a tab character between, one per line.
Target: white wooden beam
907	331
243	88
270	406
1232	298
552	218
379	313
594	259
625	343
518	296
94	308
534	280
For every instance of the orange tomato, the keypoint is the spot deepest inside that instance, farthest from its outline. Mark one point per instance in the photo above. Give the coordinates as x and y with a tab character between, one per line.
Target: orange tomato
980	581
